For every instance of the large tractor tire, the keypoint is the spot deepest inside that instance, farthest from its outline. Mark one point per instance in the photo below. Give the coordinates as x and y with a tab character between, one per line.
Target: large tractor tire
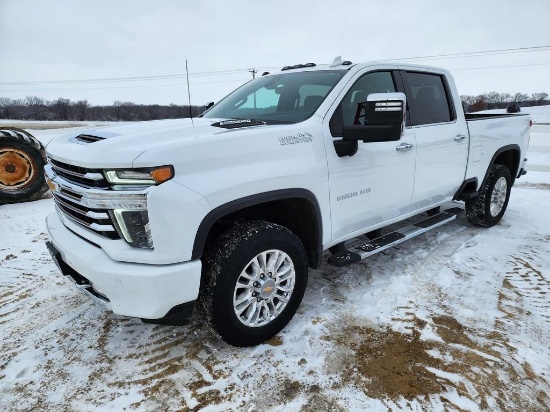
22	160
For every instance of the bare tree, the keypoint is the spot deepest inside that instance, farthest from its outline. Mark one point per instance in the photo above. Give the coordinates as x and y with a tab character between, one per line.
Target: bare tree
80	109
519	98
492	98
6	108
61	107
539	98
36	108
480	103
467	101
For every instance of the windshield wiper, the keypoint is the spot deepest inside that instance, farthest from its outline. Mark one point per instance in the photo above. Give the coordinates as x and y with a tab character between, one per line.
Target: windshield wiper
233	123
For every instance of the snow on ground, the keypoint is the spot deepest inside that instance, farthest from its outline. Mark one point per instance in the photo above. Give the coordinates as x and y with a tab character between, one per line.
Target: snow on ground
457	319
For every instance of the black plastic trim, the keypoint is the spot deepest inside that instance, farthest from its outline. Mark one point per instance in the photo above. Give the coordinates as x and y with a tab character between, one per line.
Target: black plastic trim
499	151
472	117
431	221
343	259
460	190
214	215
179	315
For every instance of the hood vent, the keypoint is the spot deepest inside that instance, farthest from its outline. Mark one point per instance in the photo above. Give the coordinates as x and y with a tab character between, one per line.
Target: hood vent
86	138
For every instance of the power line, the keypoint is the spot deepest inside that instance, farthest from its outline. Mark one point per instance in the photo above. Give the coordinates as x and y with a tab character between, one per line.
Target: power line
125	79
236	80
501	67
253	71
475	54
126	87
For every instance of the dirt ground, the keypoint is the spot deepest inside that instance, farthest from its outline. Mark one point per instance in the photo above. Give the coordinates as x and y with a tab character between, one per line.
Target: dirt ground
457	319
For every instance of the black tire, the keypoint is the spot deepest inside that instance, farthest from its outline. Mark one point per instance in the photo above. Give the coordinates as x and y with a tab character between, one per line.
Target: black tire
22	160
479	210
223	265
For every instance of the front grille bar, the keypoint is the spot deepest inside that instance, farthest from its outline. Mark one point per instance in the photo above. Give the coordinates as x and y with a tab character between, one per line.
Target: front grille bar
79	175
89	205
96	220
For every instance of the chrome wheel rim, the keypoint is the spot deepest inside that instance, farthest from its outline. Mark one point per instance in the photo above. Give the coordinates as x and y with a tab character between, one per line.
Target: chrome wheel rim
498	197
263	288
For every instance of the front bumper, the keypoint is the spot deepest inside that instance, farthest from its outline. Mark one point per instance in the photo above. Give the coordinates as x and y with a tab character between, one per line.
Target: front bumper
130	289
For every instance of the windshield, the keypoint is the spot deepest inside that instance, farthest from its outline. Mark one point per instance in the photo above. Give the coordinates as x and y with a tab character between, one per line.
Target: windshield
282	98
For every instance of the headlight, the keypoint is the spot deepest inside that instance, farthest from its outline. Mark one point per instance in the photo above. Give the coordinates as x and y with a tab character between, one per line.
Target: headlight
133	226
129	210
121	179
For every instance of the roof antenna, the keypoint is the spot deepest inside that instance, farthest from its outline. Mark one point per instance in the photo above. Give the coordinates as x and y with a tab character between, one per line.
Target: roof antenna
189	94
336	62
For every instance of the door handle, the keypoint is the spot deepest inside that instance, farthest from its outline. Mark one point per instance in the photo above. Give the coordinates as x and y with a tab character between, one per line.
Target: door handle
459	137
403	147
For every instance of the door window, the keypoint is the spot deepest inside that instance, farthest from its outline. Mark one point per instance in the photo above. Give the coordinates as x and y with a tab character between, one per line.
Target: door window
429	99
374	82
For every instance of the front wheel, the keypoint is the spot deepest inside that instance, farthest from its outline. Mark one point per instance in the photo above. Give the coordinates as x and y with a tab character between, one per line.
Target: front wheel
489	207
254	278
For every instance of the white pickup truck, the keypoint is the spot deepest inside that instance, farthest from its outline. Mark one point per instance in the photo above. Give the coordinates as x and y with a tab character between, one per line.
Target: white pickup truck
226	212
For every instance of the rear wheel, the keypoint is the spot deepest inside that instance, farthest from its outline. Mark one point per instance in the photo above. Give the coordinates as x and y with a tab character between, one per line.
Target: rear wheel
22	161
489	207
254	278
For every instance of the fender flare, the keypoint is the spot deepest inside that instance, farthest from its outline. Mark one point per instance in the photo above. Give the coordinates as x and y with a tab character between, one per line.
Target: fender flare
223	210
492	162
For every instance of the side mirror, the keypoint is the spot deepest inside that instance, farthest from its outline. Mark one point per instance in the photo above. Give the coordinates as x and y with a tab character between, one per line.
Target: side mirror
383	117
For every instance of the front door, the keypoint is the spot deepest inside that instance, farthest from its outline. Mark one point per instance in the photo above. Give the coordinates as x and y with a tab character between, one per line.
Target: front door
375	184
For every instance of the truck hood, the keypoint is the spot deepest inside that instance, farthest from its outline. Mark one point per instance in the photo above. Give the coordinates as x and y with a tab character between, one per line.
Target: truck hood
119	145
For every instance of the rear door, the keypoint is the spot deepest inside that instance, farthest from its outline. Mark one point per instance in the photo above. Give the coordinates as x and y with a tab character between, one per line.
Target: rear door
441	139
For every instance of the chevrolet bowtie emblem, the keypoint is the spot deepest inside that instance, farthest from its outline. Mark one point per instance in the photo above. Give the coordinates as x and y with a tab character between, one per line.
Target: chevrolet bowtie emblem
51	184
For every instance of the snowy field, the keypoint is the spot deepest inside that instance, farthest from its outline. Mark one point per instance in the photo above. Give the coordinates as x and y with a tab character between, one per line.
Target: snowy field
457	319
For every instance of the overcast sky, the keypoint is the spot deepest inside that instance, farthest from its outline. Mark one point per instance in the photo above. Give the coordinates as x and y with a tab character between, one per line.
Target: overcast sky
55	40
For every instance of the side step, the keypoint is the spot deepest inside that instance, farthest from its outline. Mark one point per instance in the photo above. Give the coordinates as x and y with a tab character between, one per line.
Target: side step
360	249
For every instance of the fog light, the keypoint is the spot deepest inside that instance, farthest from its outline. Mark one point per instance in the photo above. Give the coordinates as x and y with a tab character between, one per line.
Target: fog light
133	226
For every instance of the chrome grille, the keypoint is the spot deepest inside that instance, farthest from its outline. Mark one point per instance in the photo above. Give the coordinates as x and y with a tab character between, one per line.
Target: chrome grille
79	175
98	220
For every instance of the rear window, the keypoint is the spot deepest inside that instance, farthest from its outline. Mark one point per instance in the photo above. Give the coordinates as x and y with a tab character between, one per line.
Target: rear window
430	100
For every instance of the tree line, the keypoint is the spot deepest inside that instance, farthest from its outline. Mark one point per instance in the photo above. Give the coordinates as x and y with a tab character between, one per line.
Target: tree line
36	108
494	100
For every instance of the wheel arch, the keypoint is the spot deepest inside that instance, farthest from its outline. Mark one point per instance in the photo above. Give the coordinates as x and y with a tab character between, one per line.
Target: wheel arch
296	209
508	156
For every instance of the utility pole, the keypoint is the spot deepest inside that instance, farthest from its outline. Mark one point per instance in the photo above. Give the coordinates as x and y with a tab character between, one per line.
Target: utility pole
254	71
